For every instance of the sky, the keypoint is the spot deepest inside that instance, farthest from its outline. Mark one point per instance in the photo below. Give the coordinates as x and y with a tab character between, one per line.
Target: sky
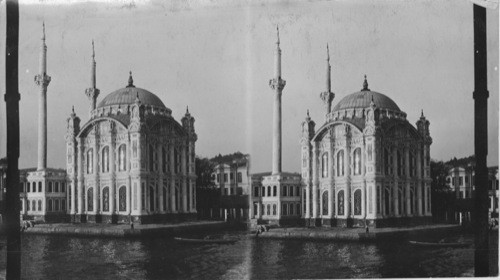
217	58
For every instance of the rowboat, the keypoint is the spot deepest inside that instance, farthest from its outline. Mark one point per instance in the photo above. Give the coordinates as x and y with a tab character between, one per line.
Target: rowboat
439	244
206	241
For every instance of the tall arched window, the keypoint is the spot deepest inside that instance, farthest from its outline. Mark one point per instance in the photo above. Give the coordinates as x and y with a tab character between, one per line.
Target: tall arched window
33	205
151	199
387	200
400	201
49	202
90	161
412	165
275	191
28	203
357	202
56	205
285	209
274	209
39	205
263	191
324	202
268	190
105	199
357	161
284	191
176	206
105	160
165	199
151	157
324	165
90	199
290	209
122	199
164	160
412	202
340	197
122	157
387	162
399	163
298	209
340	163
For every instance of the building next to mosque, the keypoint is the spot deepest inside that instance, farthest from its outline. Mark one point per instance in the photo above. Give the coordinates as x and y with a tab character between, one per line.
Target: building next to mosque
366	164
130	160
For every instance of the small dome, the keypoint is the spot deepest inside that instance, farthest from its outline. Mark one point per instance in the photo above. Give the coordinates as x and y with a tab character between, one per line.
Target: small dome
126	96
362	99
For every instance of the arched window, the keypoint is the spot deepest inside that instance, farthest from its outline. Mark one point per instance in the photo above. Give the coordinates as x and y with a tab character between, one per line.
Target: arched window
90	161
263	191
56	208
285	209
39	205
28	186
122	157
63	187
56	187
357	161
268	190
176	206
399	163
400	201
275	191
357	202
90	199
284	191
50	187
63	204
105	160
33	205
340	197
49	207
412	202
165	198
28	205
164	160
291	209
291	191
105	199
151	199
151	157
324	201
324	165
122	199
274	209
298	209
39	186
269	209
387	162
387	200
340	163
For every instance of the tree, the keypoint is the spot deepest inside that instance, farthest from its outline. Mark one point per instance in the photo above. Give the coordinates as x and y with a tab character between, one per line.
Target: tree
207	194
443	198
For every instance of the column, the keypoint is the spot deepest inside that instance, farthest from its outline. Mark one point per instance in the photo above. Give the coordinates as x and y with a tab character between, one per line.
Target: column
79	193
97	189
315	180
112	151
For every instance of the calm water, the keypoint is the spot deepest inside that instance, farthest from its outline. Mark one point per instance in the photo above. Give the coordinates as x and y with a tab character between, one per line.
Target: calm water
51	257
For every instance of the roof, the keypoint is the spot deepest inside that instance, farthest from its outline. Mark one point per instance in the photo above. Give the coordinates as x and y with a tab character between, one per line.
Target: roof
363	98
127	95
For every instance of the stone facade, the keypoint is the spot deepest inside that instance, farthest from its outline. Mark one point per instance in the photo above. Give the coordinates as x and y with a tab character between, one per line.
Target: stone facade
366	165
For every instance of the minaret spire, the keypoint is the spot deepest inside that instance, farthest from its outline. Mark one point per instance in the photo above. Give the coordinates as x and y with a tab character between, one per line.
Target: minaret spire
92	92
327	96
42	80
277	84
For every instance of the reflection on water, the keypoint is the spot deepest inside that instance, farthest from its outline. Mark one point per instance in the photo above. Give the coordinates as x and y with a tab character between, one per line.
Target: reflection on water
51	257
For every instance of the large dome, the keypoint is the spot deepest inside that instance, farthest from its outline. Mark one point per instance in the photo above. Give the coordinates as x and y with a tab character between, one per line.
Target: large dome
362	99
126	96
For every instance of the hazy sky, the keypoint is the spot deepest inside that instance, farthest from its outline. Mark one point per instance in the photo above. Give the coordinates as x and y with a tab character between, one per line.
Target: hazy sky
217	58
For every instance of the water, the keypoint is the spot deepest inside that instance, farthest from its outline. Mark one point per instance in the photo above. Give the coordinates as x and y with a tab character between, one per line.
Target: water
55	257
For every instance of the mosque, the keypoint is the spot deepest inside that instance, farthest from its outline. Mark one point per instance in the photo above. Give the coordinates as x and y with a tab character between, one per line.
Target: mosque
130	161
366	165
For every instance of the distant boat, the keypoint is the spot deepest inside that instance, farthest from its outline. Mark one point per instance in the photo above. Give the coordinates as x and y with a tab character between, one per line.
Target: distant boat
439	244
206	241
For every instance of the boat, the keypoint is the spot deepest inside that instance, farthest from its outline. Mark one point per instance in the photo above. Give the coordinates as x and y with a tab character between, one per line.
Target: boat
439	244
206	241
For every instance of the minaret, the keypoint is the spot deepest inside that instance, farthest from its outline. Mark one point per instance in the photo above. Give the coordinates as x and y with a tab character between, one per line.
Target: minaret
277	84
92	92
327	96
42	80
